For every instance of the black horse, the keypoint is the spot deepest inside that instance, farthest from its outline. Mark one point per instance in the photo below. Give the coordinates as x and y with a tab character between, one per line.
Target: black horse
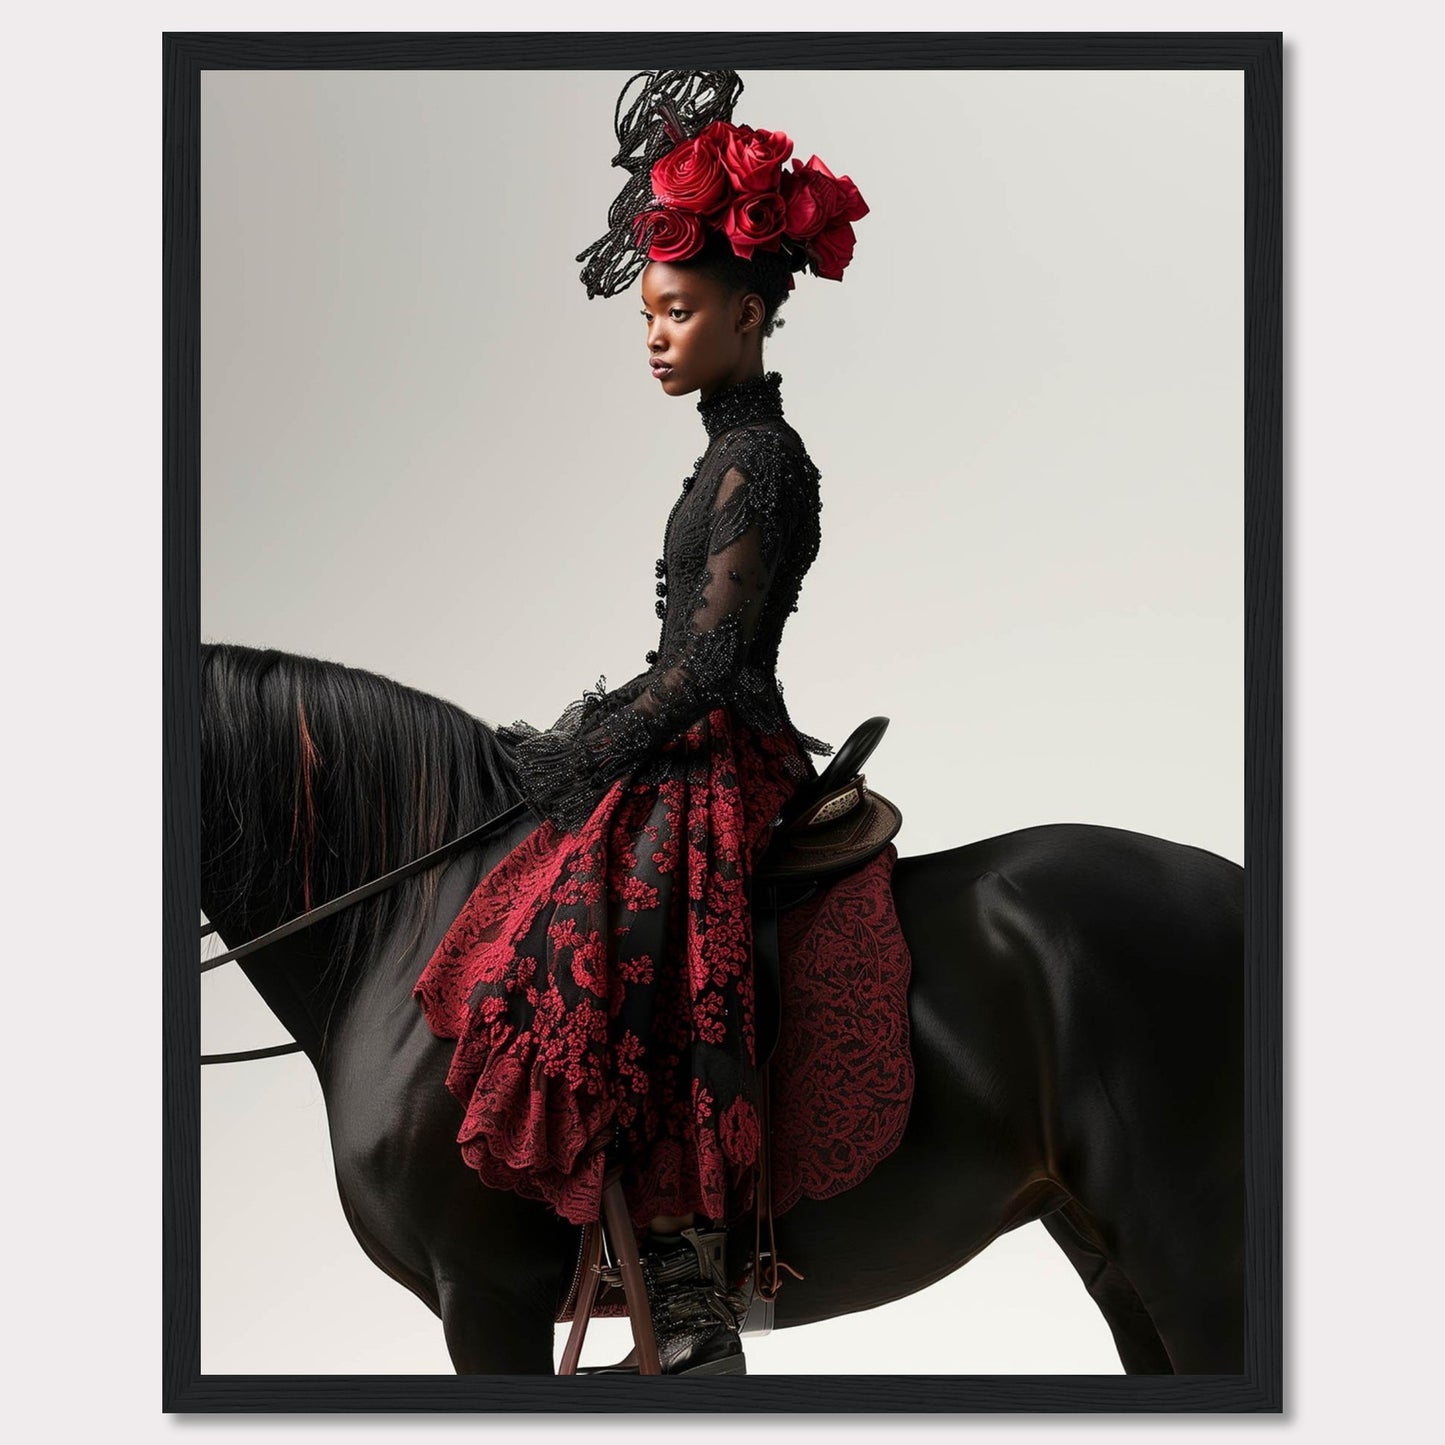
1077	1025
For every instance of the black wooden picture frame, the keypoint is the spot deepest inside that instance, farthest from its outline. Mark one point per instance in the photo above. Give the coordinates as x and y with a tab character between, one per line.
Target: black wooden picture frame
1258	54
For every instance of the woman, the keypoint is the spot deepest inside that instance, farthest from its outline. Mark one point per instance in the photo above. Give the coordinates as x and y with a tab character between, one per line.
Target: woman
599	979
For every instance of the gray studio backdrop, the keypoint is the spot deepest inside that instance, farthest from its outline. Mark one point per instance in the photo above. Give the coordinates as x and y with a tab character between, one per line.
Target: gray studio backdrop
1025	399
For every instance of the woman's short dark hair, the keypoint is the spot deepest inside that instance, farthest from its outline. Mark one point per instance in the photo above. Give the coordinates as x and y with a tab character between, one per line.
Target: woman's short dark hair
766	273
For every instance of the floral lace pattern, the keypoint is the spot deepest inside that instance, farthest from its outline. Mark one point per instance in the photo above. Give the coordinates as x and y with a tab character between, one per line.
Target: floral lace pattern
842	1072
600	981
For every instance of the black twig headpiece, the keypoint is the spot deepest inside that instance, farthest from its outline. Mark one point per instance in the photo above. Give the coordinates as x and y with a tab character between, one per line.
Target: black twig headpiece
673	105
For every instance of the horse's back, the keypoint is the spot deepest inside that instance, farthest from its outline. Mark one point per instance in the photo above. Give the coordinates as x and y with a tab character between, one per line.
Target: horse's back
1128	948
1113	962
1076	1021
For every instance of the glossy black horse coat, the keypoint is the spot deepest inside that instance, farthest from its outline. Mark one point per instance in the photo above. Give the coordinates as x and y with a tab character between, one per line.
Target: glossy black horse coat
1076	1007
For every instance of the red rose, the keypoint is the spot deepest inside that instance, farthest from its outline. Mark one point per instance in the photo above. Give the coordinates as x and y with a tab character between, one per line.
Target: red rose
812	198
752	158
691	176
676	235
854	207
818	199
716	132
831	250
757	221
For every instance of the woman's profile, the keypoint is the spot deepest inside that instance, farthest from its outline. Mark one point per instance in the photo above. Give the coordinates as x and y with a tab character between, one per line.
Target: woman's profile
598	980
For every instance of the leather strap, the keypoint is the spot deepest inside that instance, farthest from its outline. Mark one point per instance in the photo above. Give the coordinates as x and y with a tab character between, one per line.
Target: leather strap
767	974
365	890
588	1266
766	1286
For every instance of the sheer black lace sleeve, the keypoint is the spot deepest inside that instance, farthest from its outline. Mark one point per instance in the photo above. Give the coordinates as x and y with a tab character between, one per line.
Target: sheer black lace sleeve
566	770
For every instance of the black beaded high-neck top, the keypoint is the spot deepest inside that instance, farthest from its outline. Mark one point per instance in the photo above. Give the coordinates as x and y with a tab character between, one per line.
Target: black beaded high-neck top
755	399
738	542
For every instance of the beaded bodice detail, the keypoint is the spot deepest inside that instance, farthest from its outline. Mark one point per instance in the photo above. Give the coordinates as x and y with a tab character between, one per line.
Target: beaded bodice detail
737	544
758	399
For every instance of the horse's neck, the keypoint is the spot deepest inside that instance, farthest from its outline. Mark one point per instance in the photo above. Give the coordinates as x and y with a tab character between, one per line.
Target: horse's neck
290	977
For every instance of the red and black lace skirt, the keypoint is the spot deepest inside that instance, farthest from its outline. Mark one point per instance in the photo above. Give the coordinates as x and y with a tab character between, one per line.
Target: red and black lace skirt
600	983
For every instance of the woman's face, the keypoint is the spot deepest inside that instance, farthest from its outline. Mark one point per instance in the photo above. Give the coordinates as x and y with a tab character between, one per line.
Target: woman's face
698	336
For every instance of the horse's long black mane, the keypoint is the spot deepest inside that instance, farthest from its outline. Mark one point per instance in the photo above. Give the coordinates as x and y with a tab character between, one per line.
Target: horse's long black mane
318	777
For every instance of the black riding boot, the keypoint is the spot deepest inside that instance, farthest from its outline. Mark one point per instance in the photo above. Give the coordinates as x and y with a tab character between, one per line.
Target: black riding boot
696	1316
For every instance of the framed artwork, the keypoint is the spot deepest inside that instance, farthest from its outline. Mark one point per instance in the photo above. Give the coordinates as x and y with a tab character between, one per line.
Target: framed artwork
1022	1108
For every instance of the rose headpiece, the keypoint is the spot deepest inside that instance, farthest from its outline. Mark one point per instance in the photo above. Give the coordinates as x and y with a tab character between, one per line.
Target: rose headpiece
689	177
